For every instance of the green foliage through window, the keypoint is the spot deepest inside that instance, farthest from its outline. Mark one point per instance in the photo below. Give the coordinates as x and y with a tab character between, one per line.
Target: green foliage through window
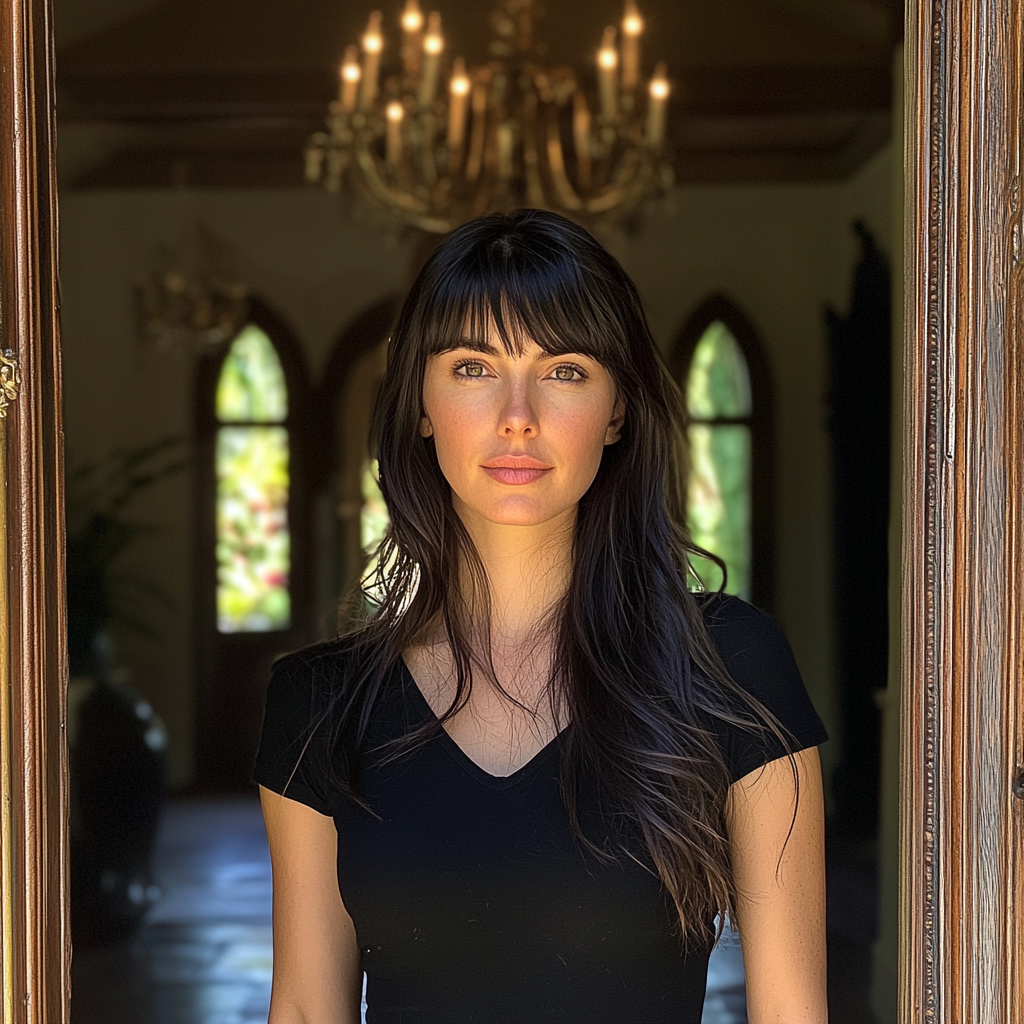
252	460
373	524
719	492
719	385
251	388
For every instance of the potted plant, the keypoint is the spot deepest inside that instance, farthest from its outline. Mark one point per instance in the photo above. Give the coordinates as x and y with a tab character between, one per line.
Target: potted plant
116	741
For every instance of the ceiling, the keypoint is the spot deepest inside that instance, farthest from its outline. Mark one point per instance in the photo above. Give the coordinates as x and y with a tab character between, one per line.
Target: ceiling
225	92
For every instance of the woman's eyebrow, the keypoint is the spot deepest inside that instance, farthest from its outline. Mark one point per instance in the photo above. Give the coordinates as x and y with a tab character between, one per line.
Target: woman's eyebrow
479	345
475	345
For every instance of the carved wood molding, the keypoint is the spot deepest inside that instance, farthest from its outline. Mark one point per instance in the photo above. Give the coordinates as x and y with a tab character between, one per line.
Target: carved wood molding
962	571
36	940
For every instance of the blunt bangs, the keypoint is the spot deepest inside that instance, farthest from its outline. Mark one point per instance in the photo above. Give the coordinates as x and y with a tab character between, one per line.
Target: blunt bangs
529	288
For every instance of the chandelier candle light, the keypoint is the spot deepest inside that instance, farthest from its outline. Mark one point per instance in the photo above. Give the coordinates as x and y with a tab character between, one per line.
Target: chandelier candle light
509	133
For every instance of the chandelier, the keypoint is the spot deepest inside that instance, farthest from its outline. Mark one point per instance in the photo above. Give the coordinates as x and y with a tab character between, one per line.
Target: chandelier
192	301
506	134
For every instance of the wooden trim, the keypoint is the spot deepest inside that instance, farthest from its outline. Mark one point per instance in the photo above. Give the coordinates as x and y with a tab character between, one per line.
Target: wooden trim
1013	739
960	828
37	962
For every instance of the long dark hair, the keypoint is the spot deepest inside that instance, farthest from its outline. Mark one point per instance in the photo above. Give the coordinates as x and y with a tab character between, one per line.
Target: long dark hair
635	673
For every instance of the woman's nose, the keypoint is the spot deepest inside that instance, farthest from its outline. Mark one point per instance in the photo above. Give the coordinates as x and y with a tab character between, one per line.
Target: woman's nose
518	415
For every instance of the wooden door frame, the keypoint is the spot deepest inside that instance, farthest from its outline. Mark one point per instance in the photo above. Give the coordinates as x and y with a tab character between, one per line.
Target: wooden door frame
961	826
961	850
34	932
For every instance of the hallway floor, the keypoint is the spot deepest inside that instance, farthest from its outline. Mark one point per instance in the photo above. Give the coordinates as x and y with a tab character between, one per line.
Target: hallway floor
204	952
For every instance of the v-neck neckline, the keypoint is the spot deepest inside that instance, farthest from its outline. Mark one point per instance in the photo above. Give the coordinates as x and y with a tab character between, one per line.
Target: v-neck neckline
461	758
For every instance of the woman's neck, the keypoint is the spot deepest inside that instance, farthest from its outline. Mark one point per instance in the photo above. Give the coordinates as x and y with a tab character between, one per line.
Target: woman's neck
527	569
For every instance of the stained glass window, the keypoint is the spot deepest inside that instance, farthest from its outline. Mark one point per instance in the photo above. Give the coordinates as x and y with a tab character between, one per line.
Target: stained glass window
373	522
719	493
253	540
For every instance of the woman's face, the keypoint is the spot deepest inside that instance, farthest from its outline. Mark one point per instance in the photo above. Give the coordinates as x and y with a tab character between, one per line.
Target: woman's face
518	438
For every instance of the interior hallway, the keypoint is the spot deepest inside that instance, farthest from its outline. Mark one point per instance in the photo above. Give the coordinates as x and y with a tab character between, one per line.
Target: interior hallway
204	953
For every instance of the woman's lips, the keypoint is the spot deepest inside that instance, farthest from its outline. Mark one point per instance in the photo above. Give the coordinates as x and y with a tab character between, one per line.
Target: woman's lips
510	475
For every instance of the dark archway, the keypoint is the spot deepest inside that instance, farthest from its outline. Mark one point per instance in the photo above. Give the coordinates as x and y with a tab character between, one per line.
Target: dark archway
342	435
362	335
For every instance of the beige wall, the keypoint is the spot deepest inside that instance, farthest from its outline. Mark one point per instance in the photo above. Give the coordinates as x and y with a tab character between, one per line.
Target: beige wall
780	252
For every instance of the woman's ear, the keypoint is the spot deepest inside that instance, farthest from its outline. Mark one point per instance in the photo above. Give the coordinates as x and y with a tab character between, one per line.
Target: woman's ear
614	431
426	430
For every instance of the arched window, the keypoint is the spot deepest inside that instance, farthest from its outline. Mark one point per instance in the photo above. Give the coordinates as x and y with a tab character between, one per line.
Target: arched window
729	488
256	431
718	492
252	469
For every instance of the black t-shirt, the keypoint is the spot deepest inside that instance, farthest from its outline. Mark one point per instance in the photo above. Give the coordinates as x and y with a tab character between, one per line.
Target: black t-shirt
471	899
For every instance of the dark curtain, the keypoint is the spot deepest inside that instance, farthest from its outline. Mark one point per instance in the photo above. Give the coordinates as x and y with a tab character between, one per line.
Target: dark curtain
859	401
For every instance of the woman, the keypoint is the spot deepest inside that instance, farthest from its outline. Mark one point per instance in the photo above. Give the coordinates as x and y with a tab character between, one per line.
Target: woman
523	790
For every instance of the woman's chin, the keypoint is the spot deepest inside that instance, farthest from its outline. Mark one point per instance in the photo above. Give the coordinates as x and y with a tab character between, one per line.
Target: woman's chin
514	512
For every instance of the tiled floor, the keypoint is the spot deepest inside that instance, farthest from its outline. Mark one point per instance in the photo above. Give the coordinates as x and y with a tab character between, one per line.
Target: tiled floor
203	955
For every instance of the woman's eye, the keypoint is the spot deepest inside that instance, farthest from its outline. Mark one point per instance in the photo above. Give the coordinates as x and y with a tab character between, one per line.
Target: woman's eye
566	372
470	370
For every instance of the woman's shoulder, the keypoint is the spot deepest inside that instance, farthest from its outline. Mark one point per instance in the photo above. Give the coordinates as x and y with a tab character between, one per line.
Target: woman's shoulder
758	658
727	608
305	683
325	654
319	669
296	735
741	630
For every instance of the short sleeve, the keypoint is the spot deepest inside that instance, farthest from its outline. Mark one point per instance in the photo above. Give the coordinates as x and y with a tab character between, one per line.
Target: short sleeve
293	755
759	659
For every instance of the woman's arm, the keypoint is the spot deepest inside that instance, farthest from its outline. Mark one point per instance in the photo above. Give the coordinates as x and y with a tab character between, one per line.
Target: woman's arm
781	913
317	976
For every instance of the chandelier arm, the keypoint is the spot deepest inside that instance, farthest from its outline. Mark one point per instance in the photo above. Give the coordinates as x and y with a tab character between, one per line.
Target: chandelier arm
531	157
629	179
336	164
623	198
477	131
431	225
556	165
379	189
581	137
428	128
398	203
